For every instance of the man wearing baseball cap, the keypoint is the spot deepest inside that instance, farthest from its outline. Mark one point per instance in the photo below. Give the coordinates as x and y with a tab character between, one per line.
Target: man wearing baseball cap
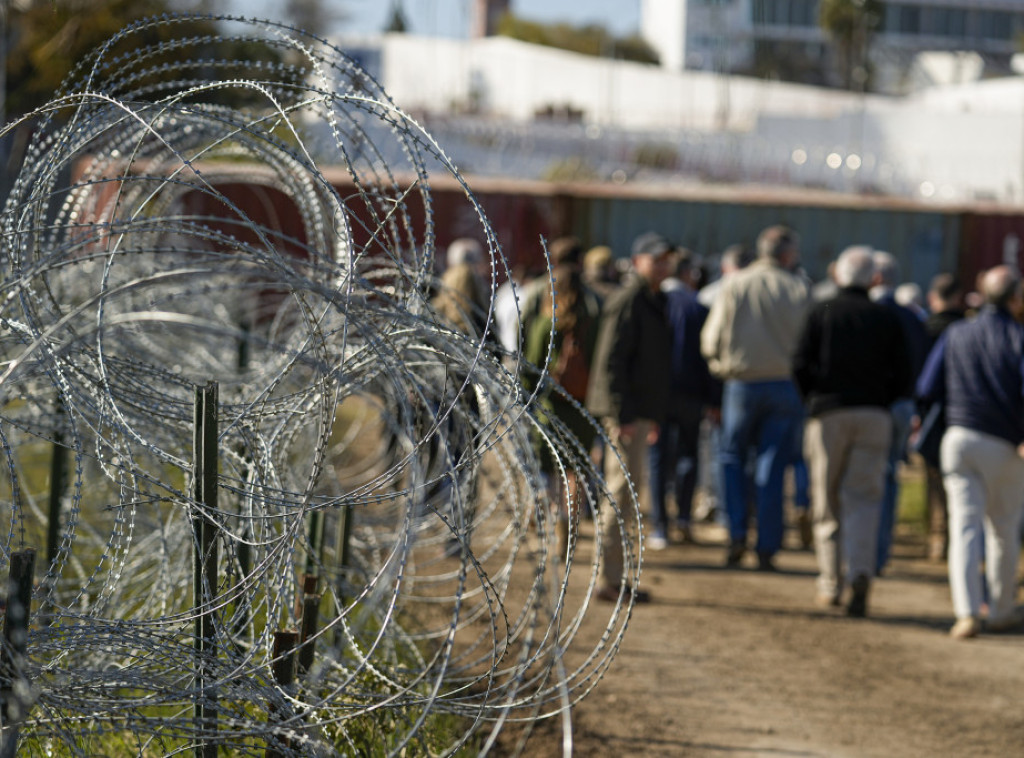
629	392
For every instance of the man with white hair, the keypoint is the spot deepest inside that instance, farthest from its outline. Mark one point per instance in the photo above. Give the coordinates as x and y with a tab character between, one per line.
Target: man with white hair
976	370
464	250
850	364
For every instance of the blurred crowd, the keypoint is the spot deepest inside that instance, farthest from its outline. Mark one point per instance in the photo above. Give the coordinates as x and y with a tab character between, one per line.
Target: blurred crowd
731	388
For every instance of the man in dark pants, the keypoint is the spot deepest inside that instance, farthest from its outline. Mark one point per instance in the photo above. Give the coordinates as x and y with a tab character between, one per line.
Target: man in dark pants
673	458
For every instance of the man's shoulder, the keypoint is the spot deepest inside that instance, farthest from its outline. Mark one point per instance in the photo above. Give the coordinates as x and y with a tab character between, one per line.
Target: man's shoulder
627	293
615	307
759	273
683	296
849	303
987	322
531	295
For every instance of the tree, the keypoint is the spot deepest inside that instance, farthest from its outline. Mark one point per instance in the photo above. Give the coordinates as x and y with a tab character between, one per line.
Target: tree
315	16
397	22
590	39
850	25
47	38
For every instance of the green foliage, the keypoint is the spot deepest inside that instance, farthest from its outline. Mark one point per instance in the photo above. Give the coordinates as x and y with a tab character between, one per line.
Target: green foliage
46	38
591	39
657	155
317	16
913	499
571	169
396	22
850	25
842	19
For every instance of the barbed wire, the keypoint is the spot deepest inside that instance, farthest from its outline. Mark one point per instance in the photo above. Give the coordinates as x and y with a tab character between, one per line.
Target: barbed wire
378	469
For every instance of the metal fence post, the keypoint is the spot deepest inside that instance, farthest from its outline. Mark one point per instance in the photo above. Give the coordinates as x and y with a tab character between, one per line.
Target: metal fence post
205	534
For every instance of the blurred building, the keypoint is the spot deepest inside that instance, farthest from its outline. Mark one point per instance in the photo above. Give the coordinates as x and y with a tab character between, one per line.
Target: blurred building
486	16
783	38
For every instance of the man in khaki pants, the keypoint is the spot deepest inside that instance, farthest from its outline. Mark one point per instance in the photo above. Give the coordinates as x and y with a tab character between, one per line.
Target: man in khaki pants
850	364
629	392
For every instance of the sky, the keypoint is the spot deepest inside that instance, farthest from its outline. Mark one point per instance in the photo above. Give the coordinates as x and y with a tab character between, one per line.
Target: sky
450	18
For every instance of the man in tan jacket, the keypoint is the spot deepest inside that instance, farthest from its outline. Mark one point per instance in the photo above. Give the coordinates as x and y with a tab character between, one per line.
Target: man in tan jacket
748	340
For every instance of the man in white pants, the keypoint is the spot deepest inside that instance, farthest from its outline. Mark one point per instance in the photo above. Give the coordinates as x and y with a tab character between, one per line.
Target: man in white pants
977	370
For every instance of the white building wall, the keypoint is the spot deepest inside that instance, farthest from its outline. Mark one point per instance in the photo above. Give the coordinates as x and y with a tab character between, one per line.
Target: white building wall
719	35
959	142
515	80
663	25
905	148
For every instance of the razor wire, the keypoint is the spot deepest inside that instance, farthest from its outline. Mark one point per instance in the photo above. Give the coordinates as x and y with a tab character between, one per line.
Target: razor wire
170	229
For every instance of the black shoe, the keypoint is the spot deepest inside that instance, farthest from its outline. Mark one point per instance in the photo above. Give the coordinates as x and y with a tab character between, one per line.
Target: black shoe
858	607
639	596
766	562
735	555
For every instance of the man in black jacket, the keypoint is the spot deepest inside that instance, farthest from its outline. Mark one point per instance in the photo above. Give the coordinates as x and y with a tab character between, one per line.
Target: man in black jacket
851	363
629	392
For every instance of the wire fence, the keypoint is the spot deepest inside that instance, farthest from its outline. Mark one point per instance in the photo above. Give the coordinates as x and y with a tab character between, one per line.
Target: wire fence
278	506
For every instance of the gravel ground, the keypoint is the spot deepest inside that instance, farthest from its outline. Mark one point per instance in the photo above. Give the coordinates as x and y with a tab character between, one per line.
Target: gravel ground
742	663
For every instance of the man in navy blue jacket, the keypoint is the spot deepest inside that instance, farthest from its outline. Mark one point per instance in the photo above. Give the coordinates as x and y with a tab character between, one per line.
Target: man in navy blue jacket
977	370
673	459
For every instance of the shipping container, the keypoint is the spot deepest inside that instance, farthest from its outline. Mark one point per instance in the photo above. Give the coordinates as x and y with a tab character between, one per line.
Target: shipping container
926	238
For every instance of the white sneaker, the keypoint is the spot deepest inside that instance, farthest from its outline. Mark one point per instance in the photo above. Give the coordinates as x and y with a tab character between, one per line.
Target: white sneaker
657	542
705	507
965	628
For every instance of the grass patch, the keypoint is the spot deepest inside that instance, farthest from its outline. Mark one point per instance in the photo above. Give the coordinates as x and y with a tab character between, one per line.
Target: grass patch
912	509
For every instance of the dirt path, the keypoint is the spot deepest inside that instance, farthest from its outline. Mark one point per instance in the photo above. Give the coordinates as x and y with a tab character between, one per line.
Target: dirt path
741	663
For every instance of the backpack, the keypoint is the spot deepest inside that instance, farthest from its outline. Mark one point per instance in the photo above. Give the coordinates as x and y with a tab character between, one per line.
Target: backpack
572	369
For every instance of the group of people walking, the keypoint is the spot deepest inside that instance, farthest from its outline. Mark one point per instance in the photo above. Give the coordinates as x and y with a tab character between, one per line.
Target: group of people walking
835	376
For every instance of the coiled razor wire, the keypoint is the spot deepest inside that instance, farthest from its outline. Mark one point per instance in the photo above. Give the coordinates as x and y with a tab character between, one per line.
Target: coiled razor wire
374	463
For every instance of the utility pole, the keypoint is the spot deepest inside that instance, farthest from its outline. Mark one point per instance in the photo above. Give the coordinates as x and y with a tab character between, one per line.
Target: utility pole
5	144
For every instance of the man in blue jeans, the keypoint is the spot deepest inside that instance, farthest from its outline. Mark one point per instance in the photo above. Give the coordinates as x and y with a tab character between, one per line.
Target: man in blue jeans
748	340
887	276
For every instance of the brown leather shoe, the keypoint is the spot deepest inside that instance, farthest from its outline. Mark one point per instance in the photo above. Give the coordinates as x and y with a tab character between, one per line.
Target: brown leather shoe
825	600
611	594
965	628
806	529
